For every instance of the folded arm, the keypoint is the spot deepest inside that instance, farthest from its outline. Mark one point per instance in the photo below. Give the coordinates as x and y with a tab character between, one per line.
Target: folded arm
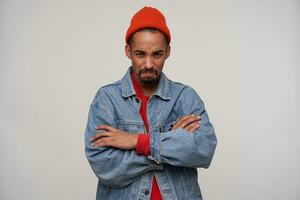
114	167
178	147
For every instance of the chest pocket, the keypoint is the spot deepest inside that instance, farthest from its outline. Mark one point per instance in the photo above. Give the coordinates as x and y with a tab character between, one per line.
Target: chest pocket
130	126
165	125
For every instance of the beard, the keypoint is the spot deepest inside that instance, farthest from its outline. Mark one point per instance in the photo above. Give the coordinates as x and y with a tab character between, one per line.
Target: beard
148	79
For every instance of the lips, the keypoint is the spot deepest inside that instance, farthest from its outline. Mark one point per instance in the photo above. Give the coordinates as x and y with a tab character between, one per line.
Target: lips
148	72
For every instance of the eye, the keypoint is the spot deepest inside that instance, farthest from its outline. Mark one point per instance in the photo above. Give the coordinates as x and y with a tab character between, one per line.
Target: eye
140	55
158	55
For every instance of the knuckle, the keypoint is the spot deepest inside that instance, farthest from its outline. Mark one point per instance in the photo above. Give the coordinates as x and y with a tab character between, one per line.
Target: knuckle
105	142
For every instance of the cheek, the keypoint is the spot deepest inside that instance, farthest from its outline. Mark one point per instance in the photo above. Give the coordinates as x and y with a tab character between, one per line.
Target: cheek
137	65
137	62
159	63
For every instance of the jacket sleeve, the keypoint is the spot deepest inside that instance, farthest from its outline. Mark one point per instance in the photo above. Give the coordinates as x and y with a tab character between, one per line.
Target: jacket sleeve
182	148
113	167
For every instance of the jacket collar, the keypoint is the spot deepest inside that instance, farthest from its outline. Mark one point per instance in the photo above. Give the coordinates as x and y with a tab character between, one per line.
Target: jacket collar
162	89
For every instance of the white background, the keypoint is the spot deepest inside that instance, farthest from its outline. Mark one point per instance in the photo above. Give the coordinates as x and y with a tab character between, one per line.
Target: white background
242	57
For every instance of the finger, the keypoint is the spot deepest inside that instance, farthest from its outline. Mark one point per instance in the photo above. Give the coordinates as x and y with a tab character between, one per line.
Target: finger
102	142
100	135
179	121
105	127
189	120
192	127
185	118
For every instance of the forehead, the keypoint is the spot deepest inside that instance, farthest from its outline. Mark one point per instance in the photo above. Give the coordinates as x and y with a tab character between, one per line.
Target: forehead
148	41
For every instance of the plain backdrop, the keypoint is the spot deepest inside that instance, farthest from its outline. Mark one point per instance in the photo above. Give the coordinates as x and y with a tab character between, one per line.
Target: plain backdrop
241	56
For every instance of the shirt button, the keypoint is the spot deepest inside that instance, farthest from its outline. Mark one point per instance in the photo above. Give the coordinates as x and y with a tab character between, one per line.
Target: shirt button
146	192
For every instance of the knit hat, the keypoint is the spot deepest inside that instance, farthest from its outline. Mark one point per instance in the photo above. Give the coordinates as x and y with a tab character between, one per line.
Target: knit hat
148	17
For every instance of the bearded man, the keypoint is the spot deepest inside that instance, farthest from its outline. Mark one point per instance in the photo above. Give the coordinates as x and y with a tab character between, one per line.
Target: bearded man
147	135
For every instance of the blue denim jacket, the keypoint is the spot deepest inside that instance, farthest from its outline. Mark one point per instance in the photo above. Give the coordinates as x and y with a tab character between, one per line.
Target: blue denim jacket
175	154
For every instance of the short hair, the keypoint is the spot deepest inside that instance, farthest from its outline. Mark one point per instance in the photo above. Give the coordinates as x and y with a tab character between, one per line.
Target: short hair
151	30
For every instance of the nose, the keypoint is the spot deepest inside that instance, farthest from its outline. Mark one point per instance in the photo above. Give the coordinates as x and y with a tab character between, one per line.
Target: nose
148	62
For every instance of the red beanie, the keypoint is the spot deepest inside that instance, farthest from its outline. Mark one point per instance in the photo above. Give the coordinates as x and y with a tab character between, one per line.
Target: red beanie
148	17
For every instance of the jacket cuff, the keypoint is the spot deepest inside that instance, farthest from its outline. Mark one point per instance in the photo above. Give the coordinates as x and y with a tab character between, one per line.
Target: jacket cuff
143	144
155	142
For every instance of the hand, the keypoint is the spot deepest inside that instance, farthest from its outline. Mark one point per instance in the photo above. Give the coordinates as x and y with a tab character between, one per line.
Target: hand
113	137
188	122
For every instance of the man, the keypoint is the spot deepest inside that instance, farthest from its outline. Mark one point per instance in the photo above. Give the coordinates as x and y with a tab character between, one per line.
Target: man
147	135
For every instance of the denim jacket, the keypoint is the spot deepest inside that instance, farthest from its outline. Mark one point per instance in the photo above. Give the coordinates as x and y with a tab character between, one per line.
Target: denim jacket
175	154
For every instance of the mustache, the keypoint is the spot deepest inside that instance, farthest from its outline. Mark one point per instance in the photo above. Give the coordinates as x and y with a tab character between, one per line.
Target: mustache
152	70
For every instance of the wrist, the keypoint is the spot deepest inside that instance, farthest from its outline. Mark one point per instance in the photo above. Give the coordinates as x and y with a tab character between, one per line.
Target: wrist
134	140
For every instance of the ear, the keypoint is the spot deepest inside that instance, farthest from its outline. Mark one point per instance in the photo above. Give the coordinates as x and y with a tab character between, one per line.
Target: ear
128	51
168	51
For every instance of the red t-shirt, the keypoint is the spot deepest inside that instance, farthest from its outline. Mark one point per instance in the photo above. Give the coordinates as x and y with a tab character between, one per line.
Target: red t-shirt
143	142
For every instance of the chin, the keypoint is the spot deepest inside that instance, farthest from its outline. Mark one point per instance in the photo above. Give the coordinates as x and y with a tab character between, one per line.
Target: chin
148	81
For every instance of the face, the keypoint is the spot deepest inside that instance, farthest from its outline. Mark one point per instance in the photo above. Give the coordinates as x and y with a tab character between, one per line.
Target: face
147	52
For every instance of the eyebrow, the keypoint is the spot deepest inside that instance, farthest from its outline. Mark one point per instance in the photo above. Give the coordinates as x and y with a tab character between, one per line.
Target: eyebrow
154	52
139	51
159	51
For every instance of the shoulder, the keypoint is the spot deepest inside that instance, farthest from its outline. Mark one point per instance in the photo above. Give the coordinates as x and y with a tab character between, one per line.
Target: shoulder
187	99
105	92
110	88
184	91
